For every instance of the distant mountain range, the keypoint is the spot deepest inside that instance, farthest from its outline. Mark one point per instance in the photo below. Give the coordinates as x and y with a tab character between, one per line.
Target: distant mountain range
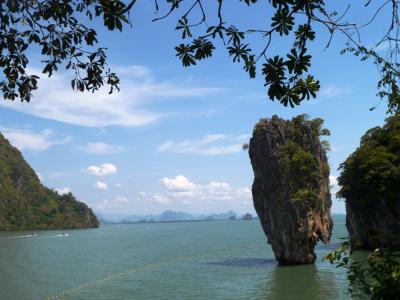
172	216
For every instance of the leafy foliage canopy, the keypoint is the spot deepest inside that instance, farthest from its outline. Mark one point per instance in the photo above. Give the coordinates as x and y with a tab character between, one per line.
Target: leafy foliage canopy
372	172
376	277
58	30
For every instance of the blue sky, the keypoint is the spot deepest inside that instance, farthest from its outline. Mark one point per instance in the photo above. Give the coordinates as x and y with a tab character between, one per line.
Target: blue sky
171	139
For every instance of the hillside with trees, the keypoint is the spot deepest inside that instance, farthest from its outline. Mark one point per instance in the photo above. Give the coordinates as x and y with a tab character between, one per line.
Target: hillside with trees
26	204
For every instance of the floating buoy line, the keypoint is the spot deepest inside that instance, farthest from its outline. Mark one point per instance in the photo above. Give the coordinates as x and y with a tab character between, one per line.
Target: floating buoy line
106	279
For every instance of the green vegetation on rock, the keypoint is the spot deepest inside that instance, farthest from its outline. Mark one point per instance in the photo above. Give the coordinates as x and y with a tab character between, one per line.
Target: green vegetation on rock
370	183
26	204
303	169
372	172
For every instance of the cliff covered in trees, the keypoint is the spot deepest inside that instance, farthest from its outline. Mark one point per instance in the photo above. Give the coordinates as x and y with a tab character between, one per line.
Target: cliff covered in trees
370	183
291	186
26	204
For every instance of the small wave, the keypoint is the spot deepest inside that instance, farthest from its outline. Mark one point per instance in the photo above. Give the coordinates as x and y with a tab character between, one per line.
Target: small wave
27	236
55	236
18	237
62	235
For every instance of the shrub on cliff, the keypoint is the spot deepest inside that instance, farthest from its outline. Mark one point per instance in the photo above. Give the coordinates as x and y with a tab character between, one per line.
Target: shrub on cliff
373	171
303	170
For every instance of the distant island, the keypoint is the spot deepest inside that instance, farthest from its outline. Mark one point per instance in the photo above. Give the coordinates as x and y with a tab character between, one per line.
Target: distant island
26	204
173	216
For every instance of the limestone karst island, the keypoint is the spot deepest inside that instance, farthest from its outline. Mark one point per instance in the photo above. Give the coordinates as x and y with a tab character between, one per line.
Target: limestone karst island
193	149
291	186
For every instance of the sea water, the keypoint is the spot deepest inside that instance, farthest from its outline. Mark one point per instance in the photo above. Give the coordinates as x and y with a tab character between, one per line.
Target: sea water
183	260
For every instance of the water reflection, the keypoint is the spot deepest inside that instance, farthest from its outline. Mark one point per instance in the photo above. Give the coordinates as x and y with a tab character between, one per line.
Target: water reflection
316	281
245	262
299	282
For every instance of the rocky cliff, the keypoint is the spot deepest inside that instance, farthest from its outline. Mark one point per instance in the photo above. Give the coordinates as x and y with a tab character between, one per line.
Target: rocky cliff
370	183
291	186
26	204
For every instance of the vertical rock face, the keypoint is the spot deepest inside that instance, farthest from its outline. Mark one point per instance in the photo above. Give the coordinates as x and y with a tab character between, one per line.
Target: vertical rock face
375	226
370	183
291	186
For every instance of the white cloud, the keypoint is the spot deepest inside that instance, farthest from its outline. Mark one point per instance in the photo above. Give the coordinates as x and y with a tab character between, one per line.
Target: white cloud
133	71
181	187
156	198
101	185
212	144
180	190
55	100
114	203
160	199
179	183
63	191
332	91
120	200
102	170
40	176
34	141
333	182
102	148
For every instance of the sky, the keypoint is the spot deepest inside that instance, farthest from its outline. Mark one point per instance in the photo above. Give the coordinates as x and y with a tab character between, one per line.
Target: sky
171	138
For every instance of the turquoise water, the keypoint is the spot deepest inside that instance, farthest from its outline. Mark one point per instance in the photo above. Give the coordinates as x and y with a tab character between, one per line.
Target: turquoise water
202	260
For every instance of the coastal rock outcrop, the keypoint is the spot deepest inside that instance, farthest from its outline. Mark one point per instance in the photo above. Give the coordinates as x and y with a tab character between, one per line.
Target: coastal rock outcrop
291	186
370	183
26	204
